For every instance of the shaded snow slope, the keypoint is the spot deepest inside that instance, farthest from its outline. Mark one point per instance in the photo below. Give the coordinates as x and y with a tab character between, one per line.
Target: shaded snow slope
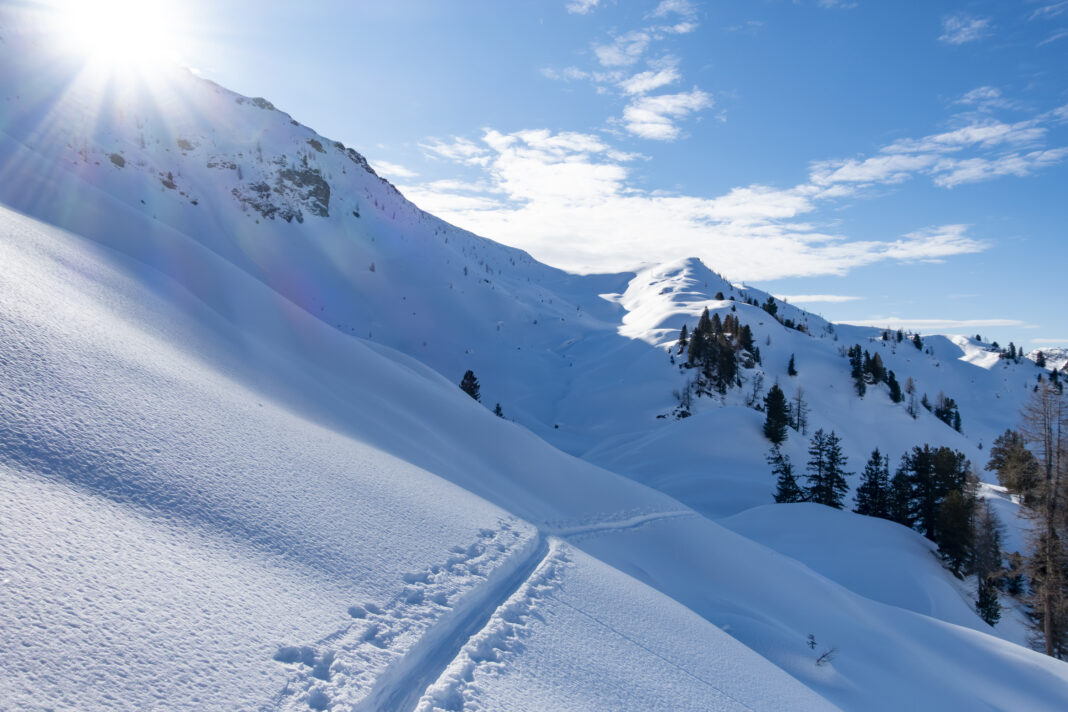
174	539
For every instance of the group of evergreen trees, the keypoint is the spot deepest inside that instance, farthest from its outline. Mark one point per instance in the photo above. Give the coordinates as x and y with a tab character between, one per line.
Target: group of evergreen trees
933	491
469	385
715	347
867	369
825	472
1033	463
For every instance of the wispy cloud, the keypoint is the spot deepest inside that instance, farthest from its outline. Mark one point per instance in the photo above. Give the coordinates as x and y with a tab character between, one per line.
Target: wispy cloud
1049	10
959	29
392	170
568	198
953	172
987	99
1058	35
624	50
929	325
646	81
655	117
1058	340
582	7
816	298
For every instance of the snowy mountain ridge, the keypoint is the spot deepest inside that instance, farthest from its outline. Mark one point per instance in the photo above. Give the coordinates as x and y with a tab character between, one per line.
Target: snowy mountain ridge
236	351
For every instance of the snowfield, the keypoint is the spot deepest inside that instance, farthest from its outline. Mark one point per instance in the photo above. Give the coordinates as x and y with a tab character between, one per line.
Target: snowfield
237	472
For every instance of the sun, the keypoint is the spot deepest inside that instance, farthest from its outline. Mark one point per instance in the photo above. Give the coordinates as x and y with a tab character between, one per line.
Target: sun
121	34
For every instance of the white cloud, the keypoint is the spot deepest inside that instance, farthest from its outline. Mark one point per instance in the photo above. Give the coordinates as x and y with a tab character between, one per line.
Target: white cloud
815	298
582	7
1050	10
461	150
654	117
1058	35
952	172
392	170
685	8
878	169
1050	341
930	325
624	50
652	79
567	198
959	29
985	134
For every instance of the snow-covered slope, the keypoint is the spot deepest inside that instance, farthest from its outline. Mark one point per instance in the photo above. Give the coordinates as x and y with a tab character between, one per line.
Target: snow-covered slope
238	473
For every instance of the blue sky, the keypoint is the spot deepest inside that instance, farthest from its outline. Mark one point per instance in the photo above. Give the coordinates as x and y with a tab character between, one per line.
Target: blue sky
883	162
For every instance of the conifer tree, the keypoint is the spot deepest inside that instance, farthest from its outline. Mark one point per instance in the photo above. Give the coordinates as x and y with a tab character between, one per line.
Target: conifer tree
776	415
1015	465
900	499
873	493
786	487
987	604
856	368
917	342
955	530
895	387
469	385
497	411
791	369
770	306
1040	359
826	470
987	562
684	339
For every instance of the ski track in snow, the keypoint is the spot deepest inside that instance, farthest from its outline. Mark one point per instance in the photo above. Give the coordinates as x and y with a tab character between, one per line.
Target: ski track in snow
420	649
389	642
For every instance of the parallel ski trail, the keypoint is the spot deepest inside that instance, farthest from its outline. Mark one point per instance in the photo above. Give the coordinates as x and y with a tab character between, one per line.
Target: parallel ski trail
400	687
604	527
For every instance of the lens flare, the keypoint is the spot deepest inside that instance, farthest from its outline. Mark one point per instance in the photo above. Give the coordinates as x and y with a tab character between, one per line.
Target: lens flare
121	34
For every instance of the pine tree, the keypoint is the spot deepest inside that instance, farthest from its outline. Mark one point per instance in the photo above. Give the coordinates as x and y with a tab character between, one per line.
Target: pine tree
873	494
899	503
826	470
856	369
497	411
770	306
791	369
684	339
469	385
786	487
1040	359
777	415
932	474
917	342
895	387
955	530
1016	468
986	562
987	604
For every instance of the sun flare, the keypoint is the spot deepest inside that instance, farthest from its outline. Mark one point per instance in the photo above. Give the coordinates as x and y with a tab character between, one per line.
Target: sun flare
122	34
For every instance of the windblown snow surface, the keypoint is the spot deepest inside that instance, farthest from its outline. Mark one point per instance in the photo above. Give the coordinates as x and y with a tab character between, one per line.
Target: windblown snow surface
237	473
